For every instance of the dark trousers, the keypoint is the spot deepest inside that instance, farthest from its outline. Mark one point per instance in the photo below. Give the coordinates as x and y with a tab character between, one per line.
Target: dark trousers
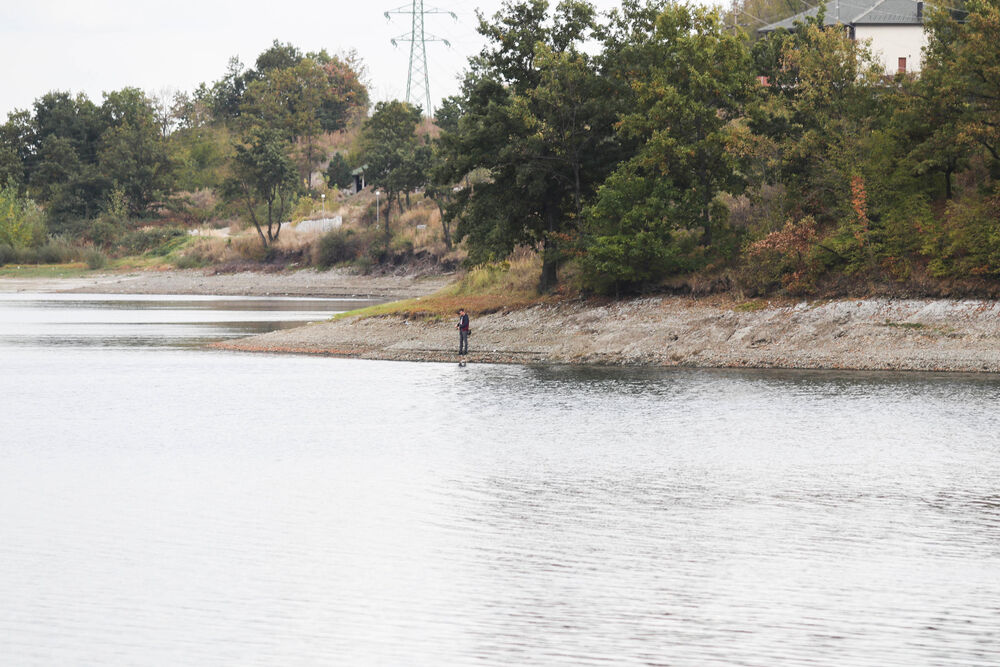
463	341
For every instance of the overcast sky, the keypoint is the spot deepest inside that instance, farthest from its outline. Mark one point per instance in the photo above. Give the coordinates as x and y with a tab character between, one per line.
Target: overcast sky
93	46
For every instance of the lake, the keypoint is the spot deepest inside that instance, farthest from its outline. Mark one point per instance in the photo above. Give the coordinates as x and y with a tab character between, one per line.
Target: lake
165	504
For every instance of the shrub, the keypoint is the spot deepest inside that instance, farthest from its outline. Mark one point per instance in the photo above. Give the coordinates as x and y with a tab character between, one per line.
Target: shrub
972	238
21	222
191	261
103	232
157	240
336	247
365	264
95	259
57	251
250	248
784	258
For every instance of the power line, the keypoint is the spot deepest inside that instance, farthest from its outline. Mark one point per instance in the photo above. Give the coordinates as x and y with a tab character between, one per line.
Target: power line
418	71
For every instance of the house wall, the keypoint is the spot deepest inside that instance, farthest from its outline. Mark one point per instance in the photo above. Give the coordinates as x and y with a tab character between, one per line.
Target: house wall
889	43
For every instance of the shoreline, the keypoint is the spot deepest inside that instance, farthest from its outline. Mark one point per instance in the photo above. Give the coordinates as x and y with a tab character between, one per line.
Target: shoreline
331	284
877	334
859	335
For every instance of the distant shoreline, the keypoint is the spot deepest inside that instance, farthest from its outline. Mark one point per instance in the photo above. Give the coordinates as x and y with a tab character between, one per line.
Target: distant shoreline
335	283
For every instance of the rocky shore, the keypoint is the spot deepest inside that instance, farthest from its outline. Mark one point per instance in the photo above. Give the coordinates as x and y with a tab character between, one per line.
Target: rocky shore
870	334
866	334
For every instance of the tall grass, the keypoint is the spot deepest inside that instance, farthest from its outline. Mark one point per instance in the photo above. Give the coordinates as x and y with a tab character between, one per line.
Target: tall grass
53	251
488	288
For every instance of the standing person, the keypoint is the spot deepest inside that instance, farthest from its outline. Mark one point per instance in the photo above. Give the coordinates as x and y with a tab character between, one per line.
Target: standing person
463	331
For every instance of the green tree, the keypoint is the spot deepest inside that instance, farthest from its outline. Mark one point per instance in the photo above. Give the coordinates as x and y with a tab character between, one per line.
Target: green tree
316	94
133	152
21	222
225	98
652	212
15	138
962	58
264	180
396	158
61	153
338	172
824	105
537	115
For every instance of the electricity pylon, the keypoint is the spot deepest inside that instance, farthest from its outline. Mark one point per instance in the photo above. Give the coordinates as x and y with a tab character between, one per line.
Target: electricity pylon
418	50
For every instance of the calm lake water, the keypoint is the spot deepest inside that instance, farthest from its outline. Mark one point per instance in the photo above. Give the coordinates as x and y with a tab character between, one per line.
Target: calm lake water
161	504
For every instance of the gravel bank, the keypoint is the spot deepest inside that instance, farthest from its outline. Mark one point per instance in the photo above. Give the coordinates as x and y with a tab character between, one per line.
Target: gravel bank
873	334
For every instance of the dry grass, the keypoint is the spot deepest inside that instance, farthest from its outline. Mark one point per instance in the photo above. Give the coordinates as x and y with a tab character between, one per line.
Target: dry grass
485	289
420	228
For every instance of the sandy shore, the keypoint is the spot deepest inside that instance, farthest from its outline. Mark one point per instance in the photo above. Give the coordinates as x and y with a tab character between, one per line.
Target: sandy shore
873	334
333	283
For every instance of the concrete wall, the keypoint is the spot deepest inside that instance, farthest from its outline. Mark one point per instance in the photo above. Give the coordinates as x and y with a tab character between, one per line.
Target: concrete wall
889	43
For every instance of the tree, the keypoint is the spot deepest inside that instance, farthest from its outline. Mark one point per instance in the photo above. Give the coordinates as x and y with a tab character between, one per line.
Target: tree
61	145
338	172
821	110
264	180
21	221
538	116
226	95
962	57
660	204
395	157
15	137
315	94
133	152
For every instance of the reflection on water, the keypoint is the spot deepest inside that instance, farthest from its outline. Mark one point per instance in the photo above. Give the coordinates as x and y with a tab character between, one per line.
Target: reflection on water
177	506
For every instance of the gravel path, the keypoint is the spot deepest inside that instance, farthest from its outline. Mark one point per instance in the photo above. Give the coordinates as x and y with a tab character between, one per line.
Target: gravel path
872	334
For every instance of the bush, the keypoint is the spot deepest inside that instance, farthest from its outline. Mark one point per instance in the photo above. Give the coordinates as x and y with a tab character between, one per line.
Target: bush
336	247
971	238
7	254
250	248
157	240
192	261
103	232
95	259
21	222
57	252
785	258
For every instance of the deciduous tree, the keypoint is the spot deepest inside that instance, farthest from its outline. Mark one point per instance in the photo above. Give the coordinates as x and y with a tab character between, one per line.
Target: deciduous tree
264	180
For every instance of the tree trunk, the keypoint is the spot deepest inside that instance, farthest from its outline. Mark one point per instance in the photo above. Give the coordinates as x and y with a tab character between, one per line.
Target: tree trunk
550	256
445	226
550	266
253	216
388	210
947	182
270	217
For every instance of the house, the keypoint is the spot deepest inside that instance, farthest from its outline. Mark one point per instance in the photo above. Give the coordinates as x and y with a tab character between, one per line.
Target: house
895	28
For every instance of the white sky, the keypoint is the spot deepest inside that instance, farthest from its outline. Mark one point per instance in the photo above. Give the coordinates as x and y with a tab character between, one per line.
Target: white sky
93	46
